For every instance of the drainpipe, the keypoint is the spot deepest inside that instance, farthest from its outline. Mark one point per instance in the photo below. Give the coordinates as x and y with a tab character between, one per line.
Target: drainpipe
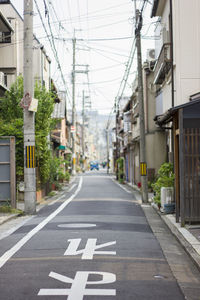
172	50
171	158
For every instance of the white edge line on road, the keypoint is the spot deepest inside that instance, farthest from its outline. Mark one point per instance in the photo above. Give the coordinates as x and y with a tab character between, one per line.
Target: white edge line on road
129	192
8	254
61	197
72	187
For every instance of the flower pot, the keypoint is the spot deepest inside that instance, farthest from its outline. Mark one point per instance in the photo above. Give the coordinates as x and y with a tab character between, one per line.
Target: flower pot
169	208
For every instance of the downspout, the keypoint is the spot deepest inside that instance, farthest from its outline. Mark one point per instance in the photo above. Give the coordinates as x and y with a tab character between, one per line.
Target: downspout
172	92
42	67
172	51
172	74
171	151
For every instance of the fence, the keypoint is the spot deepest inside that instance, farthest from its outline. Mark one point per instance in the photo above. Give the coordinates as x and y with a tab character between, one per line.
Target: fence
191	174
7	171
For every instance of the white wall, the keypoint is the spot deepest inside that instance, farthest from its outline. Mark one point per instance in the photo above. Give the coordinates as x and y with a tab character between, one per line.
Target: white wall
186	49
12	54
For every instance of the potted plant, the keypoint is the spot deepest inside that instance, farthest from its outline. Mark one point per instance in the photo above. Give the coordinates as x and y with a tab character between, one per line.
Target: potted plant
165	178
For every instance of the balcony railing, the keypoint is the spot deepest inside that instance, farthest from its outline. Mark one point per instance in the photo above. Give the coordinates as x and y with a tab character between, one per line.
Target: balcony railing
163	64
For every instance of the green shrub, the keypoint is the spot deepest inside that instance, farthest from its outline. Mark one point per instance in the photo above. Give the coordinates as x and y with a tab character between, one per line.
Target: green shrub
11	124
58	186
8	209
165	178
51	194
67	176
61	175
120	169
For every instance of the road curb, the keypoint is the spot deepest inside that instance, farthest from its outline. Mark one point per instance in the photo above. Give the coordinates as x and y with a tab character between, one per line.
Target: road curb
4	219
190	244
187	240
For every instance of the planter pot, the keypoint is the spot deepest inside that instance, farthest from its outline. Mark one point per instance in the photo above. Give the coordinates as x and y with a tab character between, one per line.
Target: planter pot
169	208
53	186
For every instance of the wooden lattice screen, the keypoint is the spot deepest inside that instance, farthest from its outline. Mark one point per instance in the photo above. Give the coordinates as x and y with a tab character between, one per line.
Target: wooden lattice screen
191	174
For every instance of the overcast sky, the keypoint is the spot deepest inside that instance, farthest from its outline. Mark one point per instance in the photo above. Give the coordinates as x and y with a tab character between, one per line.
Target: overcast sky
104	31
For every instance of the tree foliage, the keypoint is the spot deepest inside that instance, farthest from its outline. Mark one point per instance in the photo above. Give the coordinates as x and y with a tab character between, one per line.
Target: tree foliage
120	169
11	124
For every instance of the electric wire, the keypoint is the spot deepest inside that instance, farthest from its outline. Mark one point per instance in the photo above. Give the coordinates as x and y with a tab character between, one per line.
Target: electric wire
52	44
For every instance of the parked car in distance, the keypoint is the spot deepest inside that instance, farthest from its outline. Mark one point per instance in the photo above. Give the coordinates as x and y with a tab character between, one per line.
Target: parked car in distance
94	165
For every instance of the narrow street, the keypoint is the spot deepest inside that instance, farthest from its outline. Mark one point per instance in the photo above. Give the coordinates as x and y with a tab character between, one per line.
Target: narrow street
94	242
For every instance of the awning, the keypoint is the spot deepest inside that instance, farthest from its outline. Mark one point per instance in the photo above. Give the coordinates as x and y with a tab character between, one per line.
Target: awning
168	115
5	25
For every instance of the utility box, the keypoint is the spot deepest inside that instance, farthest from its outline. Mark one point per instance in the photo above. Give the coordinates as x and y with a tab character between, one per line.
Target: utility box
167	199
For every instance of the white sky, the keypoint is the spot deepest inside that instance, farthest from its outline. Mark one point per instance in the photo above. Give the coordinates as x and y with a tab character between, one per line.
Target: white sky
107	59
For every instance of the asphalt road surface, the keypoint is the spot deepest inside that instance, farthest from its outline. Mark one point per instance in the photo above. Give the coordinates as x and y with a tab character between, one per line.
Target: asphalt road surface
93	243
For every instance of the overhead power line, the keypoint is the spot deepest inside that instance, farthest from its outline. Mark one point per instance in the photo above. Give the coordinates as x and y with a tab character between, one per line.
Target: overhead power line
52	44
94	40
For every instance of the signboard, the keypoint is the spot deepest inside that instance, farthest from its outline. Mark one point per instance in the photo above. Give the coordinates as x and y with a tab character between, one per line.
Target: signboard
33	105
61	147
143	169
72	128
30	156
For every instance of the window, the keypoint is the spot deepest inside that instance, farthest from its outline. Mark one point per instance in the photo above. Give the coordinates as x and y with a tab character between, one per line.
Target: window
5	37
5	79
45	62
5	1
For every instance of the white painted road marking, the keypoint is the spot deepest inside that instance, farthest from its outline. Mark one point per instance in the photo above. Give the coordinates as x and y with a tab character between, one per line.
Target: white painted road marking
129	192
77	225
78	285
58	199
71	188
7	255
90	249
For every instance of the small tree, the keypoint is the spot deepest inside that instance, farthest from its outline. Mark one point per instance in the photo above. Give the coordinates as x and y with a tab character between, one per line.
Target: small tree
11	123
43	126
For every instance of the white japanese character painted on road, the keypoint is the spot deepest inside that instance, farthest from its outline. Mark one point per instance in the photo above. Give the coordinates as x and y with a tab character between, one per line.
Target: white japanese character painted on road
78	285
90	249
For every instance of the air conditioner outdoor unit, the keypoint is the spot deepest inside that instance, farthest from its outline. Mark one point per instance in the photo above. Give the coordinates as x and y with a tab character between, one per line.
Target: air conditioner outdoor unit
150	54
167	199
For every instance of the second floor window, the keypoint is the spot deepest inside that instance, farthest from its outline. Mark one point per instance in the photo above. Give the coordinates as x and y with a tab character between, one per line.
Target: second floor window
5	37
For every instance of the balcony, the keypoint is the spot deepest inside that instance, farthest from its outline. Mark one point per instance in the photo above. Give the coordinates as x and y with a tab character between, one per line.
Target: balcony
163	64
127	139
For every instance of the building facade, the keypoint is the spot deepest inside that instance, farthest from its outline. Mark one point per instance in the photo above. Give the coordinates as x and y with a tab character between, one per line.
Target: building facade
11	50
177	82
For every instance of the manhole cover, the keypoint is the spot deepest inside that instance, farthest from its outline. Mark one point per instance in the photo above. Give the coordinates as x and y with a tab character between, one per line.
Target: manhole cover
77	225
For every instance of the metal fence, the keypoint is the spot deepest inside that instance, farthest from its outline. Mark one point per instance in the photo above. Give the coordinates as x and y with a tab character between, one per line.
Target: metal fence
7	171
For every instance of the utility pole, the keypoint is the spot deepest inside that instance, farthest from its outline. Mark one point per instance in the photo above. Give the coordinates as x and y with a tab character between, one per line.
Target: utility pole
83	130
29	117
73	109
108	158
143	166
